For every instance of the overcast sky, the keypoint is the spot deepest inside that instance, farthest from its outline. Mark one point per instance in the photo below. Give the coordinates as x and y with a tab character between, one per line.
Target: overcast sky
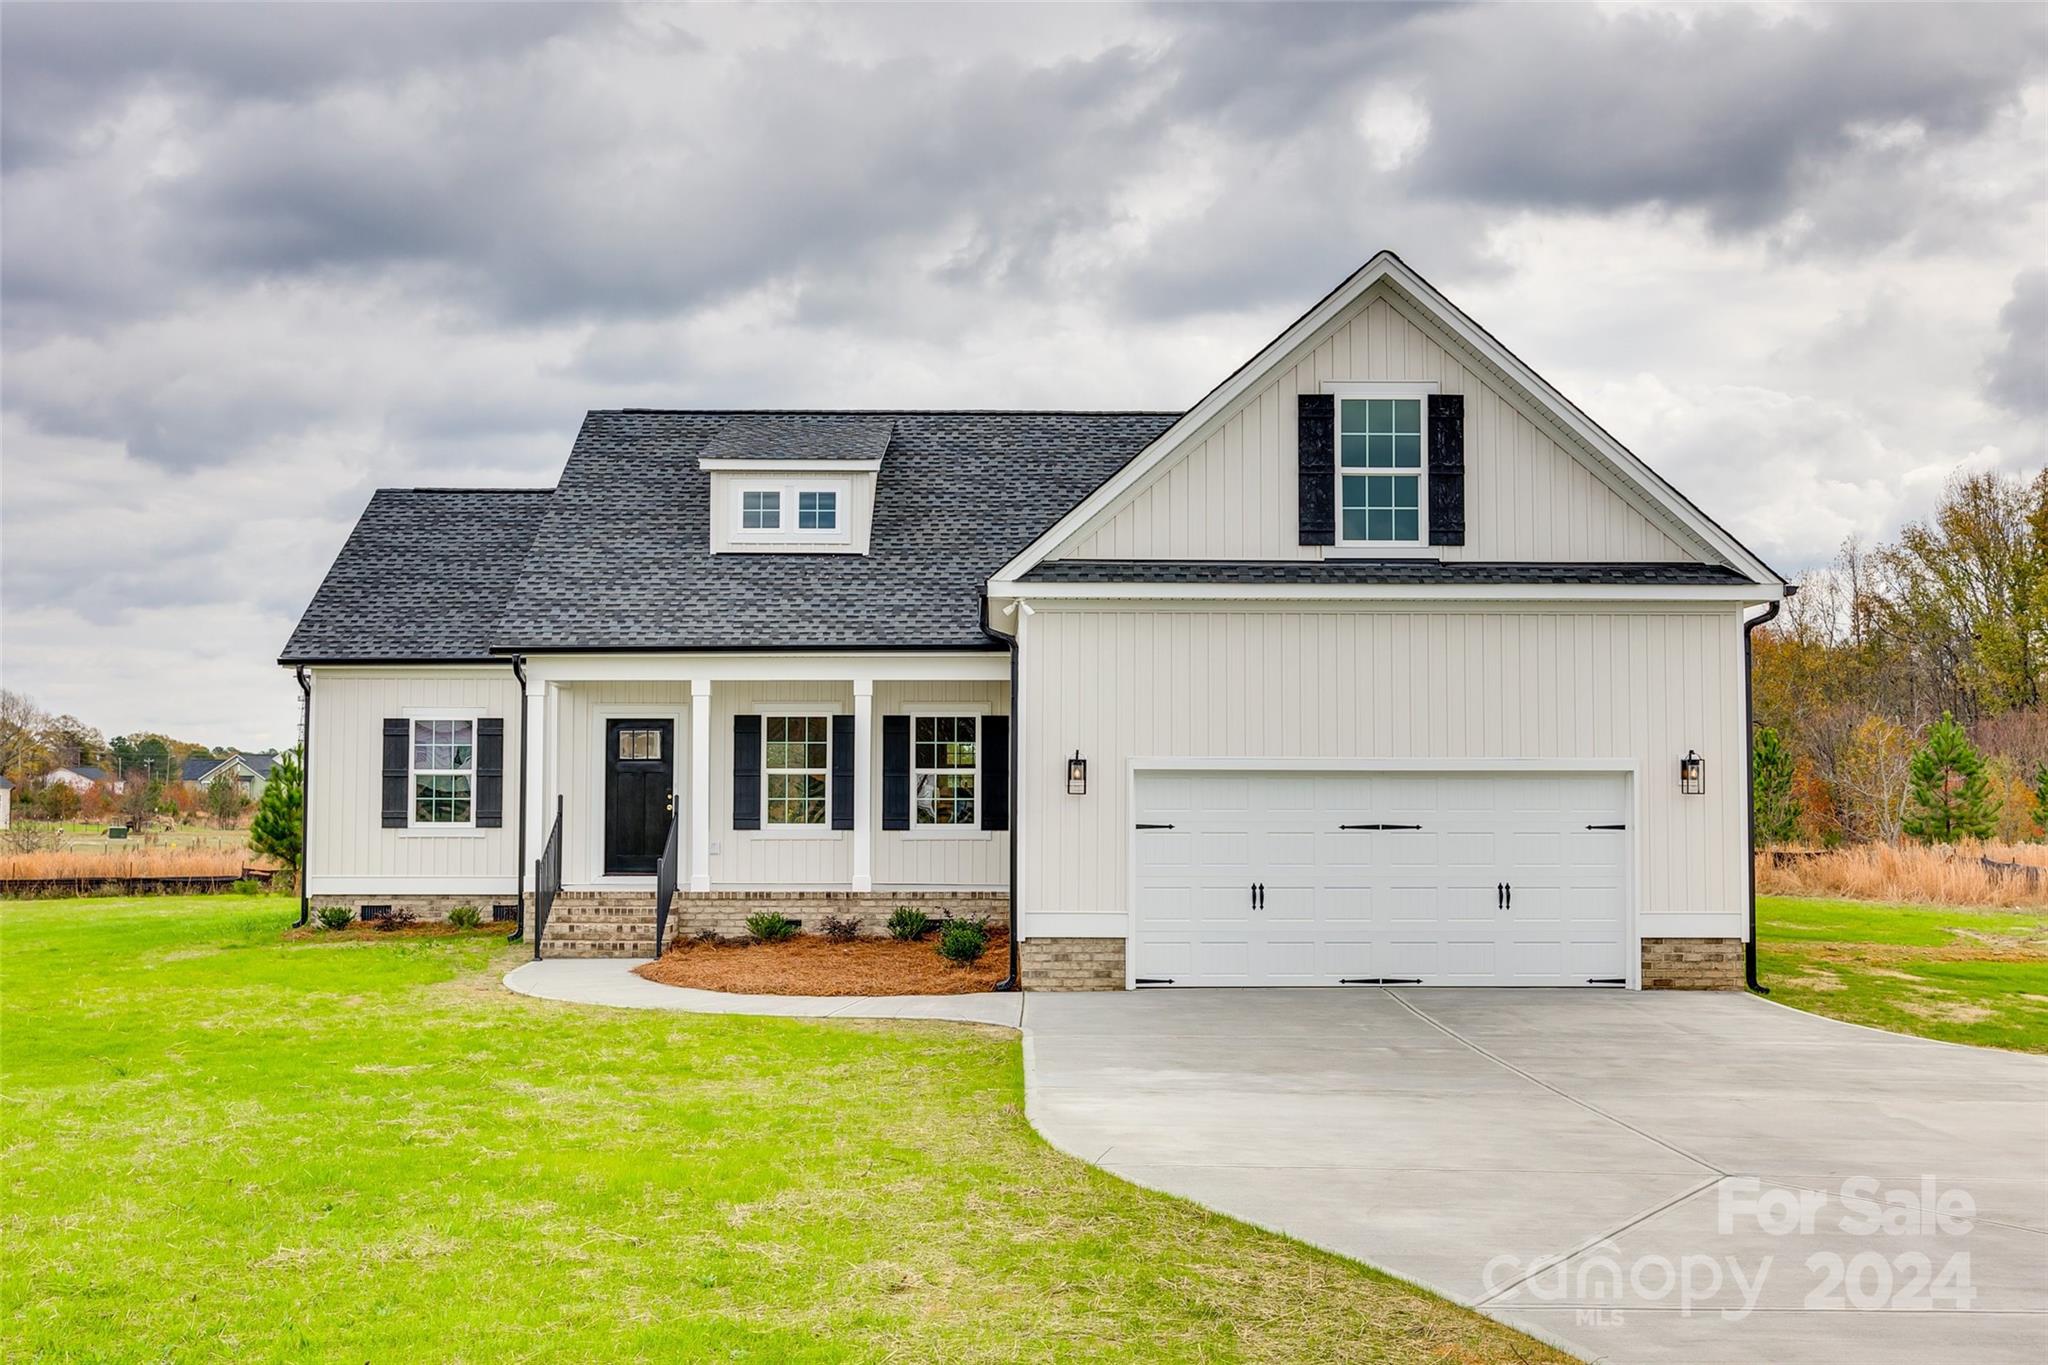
256	261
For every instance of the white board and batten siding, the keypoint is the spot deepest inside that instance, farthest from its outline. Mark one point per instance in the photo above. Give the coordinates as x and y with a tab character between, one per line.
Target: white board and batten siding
1232	494
766	859
349	851
1627	688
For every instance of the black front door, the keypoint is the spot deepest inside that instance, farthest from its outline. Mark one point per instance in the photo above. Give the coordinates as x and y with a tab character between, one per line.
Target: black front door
639	775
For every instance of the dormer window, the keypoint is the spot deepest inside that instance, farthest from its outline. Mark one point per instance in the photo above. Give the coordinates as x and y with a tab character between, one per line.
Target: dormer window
795	511
817	510
761	509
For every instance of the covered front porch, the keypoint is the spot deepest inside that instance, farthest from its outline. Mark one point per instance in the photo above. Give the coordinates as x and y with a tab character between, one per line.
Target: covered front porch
839	783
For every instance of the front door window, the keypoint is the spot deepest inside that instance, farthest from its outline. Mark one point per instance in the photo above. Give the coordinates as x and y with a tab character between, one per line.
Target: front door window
638	785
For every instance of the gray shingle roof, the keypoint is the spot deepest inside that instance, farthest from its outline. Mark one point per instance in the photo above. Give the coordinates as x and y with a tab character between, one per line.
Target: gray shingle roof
1418	572
423	576
198	766
800	436
622	560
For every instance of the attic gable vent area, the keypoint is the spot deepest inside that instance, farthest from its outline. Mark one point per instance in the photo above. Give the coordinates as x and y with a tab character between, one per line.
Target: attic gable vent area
794	483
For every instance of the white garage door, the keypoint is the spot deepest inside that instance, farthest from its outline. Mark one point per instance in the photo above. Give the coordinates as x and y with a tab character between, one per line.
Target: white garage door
1324	879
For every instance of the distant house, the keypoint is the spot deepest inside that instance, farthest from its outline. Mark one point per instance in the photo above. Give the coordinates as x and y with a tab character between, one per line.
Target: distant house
6	802
82	778
248	772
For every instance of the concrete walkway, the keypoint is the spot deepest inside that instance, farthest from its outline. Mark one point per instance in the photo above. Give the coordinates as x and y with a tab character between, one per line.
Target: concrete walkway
1670	1167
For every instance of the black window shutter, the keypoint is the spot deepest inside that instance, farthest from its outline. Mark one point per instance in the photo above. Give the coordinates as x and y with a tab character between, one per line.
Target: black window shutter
895	772
746	772
842	772
1447	469
995	772
397	738
1316	437
490	772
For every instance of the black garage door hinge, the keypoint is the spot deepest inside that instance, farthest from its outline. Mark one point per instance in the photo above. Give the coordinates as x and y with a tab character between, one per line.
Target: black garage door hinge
1155	981
1607	827
1146	826
1379	827
1380	981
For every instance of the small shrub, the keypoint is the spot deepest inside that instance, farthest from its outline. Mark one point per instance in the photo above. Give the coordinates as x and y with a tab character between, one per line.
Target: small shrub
334	916
397	917
908	924
248	886
465	917
840	928
769	927
962	942
980	922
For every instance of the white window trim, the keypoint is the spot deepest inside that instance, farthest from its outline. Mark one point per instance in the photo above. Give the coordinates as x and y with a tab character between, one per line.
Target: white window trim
808	711
935	710
438	829
1419	548
787	533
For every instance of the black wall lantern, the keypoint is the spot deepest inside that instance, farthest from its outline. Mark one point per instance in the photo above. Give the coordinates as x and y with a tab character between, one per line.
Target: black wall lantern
1077	775
1692	773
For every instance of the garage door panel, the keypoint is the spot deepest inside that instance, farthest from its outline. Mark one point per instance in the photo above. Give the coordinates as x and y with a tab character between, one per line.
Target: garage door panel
1421	904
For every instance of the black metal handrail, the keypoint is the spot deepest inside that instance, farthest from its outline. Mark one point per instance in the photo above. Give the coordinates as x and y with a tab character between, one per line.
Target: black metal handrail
547	879
664	884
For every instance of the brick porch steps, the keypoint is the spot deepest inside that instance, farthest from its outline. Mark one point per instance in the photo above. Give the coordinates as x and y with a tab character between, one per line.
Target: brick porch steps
600	924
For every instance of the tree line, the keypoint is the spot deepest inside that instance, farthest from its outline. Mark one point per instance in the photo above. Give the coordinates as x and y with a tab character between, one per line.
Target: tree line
1899	694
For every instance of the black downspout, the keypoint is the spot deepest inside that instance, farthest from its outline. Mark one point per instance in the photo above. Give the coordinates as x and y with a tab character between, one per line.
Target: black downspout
1009	983
305	795
1749	733
519	868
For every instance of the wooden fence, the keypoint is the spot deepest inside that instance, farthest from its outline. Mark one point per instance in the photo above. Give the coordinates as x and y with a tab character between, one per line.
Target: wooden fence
158	885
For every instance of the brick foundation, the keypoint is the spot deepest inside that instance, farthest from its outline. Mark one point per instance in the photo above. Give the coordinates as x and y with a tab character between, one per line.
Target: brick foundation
1692	964
1071	964
422	907
725	912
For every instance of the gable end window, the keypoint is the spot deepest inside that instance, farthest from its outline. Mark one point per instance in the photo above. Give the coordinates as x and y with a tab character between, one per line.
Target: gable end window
944	766
443	769
796	769
1381	475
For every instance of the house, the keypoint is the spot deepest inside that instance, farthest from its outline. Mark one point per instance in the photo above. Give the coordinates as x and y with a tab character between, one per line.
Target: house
1381	663
247	771
83	777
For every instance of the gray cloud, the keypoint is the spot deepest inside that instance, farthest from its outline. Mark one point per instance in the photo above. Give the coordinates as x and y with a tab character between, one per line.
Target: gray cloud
2017	375
260	259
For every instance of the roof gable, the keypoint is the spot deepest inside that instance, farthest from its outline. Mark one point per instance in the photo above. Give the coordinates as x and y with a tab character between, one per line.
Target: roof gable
1606	504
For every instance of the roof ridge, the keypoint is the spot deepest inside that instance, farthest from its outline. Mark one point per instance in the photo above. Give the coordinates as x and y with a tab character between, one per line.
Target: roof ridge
453	488
893	412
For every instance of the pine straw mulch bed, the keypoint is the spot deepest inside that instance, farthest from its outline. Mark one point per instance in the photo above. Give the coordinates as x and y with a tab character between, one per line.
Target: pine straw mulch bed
811	965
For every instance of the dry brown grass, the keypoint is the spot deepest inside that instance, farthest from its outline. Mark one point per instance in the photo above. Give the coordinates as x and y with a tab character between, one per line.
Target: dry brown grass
1910	874
124	862
809	965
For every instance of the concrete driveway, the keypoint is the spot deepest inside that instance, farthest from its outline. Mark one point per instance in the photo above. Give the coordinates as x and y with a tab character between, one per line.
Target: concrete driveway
1669	1166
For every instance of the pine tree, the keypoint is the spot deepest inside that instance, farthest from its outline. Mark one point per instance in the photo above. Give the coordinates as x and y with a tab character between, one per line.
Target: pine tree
2041	800
1772	801
1951	794
278	829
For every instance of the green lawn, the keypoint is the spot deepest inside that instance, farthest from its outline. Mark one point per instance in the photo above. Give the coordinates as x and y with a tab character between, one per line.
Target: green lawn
219	1145
1961	974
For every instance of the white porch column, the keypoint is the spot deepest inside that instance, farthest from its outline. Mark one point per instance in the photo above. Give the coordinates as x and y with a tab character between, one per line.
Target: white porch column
700	784
538	810
863	784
